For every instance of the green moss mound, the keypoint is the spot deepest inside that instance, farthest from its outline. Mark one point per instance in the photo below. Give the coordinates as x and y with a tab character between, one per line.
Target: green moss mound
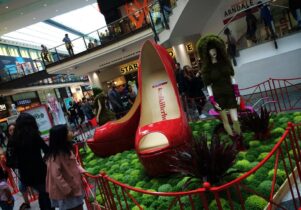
255	202
126	168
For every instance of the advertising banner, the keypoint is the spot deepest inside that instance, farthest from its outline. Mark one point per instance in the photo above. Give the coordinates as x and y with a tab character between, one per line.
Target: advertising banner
42	117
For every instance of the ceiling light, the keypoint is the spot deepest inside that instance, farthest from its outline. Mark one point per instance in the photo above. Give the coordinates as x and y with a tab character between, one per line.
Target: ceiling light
45	5
21	13
6	7
56	10
34	18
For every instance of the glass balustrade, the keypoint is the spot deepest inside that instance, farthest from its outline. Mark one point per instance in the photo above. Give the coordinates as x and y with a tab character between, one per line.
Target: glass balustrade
153	15
261	23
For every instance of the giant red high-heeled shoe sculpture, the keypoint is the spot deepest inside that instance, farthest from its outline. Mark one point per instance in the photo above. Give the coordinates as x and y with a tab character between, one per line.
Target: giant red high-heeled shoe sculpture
116	136
163	126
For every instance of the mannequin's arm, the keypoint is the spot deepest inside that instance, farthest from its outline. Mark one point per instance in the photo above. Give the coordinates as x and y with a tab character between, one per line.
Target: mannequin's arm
211	98
98	111
235	89
49	107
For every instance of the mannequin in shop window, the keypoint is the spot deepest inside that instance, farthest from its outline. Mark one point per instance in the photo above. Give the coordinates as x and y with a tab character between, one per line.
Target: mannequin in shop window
218	77
14	110
55	110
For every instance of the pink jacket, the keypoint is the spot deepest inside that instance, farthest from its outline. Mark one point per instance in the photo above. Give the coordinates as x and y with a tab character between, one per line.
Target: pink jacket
63	178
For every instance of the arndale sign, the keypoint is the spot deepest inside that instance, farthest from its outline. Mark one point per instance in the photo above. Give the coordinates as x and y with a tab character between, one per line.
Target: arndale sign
238	7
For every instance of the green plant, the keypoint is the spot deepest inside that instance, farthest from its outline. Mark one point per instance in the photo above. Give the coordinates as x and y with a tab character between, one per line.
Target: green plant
255	202
224	204
165	188
96	91
259	124
297	119
242	165
265	187
205	160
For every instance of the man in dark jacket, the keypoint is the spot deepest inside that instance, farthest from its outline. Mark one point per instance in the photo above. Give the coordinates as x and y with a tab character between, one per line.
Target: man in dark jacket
180	78
114	96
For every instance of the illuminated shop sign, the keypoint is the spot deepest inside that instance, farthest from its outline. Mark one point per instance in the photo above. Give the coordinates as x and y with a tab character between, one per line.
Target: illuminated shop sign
236	8
189	47
23	102
2	107
129	67
171	52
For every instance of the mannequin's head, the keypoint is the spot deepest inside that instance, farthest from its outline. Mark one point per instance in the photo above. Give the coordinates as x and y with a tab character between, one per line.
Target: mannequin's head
204	46
13	106
213	53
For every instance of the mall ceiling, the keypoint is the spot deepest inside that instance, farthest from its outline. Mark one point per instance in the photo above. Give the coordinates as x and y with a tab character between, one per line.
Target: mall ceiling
16	14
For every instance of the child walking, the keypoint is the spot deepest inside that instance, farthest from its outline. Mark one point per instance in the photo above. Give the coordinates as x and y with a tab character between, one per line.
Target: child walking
63	180
6	197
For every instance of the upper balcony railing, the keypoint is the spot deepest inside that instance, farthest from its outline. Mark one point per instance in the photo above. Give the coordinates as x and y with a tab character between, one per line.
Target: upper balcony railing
153	15
61	79
20	70
25	69
260	23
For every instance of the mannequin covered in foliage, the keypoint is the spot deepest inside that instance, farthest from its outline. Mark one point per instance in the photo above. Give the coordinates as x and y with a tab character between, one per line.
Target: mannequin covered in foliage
103	115
218	77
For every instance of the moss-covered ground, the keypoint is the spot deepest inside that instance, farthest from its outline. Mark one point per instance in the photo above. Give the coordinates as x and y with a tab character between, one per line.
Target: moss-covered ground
126	168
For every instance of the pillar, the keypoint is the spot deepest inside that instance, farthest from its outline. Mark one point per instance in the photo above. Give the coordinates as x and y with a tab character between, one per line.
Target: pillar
94	79
181	55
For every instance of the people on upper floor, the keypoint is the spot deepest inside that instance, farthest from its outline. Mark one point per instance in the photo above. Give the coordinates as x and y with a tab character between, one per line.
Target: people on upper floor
251	21
295	7
267	19
68	45
45	53
90	44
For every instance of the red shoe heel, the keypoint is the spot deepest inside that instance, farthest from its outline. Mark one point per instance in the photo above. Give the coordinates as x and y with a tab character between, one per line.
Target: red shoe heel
163	126
116	136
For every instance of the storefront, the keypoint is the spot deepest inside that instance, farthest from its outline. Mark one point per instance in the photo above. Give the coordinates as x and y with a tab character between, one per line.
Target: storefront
44	95
77	93
4	113
25	101
129	75
87	91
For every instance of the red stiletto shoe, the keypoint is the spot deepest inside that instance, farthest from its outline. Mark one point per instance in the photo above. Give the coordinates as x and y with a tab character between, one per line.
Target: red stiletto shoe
163	126
116	136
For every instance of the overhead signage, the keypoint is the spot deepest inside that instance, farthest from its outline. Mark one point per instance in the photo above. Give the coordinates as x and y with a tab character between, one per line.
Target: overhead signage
237	7
171	52
189	47
23	102
129	67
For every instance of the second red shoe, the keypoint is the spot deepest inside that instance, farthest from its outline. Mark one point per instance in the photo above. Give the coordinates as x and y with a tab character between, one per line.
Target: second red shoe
163	126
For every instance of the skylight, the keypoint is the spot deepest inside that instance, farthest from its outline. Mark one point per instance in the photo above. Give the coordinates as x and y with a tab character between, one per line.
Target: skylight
84	20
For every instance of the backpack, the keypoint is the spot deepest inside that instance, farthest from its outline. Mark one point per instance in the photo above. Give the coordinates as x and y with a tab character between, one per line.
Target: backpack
11	156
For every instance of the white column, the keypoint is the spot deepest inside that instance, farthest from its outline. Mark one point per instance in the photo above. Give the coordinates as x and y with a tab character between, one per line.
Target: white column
94	79
181	55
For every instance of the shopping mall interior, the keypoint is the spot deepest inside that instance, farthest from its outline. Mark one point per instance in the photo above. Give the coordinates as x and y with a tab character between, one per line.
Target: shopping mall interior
172	104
